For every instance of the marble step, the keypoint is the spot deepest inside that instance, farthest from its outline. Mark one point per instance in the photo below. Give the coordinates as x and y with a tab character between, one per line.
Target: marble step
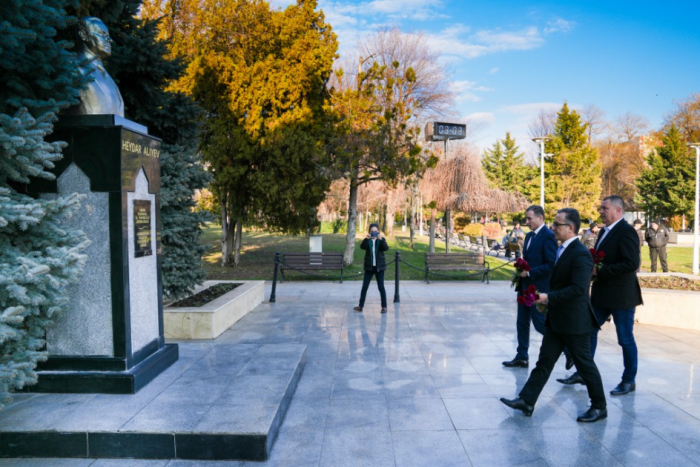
227	405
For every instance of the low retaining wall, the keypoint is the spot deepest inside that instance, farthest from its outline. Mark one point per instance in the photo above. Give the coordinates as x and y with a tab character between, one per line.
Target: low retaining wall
672	308
210	320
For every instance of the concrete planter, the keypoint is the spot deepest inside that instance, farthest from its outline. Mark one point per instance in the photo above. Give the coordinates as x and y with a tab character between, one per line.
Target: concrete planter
210	320
671	308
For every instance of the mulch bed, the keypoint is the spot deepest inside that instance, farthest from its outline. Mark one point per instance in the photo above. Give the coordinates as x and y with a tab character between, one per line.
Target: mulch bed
206	295
671	283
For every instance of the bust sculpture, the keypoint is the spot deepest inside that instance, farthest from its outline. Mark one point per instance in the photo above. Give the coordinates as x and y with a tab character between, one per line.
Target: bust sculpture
101	95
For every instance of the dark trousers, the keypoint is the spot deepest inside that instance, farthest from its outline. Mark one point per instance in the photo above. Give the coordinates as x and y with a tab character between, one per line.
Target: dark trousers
659	253
380	285
579	346
624	326
525	315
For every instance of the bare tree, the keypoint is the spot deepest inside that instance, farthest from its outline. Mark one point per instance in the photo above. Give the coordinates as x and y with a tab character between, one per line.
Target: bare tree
629	125
543	124
414	85
594	117
686	117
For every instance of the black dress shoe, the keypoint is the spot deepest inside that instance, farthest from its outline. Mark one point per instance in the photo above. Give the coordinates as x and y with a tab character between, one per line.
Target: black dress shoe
519	404
383	309
569	362
573	379
517	363
358	308
623	388
593	415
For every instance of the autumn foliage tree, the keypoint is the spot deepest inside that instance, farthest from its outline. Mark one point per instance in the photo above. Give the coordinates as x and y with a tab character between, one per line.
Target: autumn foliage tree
260	75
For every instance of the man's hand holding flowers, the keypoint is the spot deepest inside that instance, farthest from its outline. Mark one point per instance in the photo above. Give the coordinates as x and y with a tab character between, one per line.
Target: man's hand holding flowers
521	270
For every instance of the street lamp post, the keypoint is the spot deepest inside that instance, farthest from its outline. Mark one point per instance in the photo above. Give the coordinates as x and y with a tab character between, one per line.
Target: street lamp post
696	234
541	140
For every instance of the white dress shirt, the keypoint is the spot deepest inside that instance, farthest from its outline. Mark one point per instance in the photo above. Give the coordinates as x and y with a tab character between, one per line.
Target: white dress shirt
607	229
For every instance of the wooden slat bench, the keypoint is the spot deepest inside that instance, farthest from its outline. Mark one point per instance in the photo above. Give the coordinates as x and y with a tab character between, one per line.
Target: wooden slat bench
311	262
472	261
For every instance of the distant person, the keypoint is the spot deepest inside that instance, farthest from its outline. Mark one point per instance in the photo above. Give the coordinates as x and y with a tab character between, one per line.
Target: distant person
657	239
375	264
591	235
638	227
516	230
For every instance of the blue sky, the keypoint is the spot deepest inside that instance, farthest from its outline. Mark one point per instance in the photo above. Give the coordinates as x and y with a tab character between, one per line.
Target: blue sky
509	59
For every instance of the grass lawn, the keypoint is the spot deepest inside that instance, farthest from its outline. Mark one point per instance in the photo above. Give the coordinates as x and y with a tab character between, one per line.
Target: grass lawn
680	259
258	253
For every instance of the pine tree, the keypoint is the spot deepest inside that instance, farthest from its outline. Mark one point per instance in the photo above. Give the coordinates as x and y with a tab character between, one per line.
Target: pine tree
38	258
505	168
573	174
667	186
141	66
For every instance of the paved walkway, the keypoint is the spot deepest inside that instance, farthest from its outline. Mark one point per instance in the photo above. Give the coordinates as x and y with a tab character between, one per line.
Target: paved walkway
420	386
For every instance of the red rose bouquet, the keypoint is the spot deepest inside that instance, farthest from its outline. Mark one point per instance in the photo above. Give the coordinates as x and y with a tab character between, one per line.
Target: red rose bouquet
520	265
529	297
598	257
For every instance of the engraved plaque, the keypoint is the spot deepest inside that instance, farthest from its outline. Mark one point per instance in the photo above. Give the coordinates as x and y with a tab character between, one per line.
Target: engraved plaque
142	228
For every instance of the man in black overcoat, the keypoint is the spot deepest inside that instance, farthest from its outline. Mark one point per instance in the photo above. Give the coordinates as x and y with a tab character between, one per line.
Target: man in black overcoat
569	323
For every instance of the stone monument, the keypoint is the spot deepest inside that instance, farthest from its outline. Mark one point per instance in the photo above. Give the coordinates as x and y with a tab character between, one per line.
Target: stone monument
110	338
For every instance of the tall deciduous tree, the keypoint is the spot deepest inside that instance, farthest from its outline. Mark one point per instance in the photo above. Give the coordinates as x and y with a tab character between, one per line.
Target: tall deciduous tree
686	117
667	187
260	76
505	168
573	172
379	115
38	257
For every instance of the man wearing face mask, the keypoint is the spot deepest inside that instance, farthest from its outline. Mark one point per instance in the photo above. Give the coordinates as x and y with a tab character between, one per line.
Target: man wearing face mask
375	264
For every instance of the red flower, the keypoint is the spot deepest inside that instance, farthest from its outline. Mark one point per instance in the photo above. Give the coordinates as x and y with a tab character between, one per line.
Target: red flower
531	290
601	255
593	252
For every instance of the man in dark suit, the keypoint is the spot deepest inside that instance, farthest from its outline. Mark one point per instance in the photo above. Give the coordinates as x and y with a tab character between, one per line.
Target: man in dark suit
616	290
570	321
539	250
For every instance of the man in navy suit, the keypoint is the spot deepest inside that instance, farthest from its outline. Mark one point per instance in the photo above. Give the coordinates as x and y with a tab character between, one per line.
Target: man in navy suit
540	252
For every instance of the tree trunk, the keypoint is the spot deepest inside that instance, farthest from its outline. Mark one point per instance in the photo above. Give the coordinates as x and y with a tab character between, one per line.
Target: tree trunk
390	214
448	223
227	232
420	216
413	218
238	240
433	213
349	254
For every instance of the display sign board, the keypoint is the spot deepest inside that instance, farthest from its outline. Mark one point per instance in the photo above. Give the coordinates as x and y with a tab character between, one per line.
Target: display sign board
142	228
441	131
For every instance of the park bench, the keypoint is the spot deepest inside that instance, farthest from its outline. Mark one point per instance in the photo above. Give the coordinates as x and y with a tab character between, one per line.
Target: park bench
495	246
471	261
311	262
478	242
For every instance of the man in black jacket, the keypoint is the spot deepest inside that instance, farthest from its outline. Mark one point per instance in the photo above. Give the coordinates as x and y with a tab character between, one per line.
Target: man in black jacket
616	290
570	321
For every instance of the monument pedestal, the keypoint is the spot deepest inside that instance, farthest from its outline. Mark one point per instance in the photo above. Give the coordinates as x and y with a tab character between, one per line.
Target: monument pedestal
110	337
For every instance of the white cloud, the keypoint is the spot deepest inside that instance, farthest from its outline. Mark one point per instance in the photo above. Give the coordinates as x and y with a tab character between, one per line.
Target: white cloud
559	25
481	118
493	70
466	90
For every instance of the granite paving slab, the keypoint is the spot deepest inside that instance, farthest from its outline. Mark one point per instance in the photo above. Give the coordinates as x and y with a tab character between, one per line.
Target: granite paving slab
416	386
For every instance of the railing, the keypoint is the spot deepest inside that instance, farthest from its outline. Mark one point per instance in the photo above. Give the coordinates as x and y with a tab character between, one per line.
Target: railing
397	282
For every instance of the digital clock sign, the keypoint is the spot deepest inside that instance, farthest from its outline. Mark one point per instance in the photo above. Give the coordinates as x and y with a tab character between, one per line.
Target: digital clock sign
440	131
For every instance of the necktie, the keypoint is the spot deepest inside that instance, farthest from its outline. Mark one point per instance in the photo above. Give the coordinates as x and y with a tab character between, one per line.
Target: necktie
559	251
532	237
